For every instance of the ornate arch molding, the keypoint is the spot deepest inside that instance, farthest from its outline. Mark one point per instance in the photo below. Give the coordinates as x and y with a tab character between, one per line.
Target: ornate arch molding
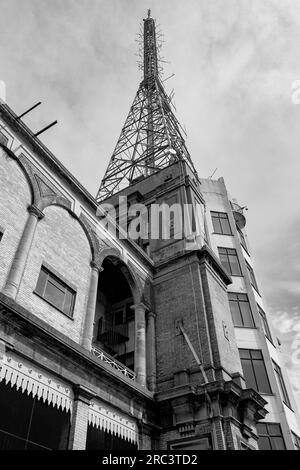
27	170
128	271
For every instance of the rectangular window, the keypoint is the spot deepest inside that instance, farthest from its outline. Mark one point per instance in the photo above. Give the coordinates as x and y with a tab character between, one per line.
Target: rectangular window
255	370
265	323
296	440
270	436
240	310
230	261
221	223
242	238
282	387
252	277
55	291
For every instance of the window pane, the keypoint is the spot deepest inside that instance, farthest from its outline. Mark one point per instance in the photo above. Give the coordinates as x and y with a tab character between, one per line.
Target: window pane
256	354
261	428
274	429
246	314
226	230
68	306
261	377
225	263
54	295
264	443
234	264
277	443
236	314
217	225
40	287
244	353
249	374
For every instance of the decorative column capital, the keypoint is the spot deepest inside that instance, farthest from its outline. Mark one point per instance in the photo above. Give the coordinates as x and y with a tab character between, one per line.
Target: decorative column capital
35	211
96	266
139	306
151	314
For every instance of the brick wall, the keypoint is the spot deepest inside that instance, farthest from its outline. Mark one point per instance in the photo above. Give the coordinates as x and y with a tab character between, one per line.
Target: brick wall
15	197
61	242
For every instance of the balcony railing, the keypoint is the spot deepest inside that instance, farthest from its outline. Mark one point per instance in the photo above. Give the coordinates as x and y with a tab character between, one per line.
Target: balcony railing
100	354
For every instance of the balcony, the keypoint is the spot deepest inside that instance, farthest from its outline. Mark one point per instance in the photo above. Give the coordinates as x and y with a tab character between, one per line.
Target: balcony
110	335
100	354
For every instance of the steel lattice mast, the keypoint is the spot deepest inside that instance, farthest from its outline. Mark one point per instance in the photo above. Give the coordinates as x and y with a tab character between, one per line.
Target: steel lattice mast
151	138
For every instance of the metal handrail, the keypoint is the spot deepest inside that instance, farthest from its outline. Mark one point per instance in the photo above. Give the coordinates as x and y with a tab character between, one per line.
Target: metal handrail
100	354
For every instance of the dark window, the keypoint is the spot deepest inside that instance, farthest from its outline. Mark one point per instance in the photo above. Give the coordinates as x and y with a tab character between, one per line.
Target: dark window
282	387
270	436
296	440
55	291
252	277
119	317
1	236
240	310
230	261
221	223
265	323
242	238
255	370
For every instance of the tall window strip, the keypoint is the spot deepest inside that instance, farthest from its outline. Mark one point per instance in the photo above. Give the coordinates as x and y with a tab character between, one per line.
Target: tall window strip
242	238
252	277
281	384
221	223
240	310
229	260
296	440
270	436
265	324
254	369
55	291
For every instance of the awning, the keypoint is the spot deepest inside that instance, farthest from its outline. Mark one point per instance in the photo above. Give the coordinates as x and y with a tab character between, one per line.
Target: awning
28	377
107	419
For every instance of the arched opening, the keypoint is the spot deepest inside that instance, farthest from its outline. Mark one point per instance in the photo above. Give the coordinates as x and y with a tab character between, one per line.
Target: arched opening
114	330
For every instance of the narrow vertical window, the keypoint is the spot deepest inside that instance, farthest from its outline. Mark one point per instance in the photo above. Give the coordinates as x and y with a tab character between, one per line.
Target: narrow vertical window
281	384
252	277
265	324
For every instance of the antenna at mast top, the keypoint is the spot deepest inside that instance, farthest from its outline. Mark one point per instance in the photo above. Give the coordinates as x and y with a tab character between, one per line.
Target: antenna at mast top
149	13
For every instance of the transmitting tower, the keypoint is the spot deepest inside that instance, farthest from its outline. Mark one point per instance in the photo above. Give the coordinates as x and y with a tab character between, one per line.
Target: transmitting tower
151	138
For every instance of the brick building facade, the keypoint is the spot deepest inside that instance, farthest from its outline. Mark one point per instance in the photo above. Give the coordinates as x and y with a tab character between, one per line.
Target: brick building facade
118	345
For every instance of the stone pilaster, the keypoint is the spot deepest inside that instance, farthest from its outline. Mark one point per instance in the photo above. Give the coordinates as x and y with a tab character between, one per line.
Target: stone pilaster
18	265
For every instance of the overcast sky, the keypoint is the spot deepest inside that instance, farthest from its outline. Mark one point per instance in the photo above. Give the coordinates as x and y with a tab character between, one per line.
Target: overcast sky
234	63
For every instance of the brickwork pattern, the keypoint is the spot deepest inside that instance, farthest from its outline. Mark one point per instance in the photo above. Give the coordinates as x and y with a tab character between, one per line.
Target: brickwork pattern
61	242
15	197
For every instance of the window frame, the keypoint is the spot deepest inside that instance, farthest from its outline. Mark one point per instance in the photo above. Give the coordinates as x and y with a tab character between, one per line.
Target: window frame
228	260
60	283
281	384
252	276
265	324
254	360
269	435
219	216
237	301
296	440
